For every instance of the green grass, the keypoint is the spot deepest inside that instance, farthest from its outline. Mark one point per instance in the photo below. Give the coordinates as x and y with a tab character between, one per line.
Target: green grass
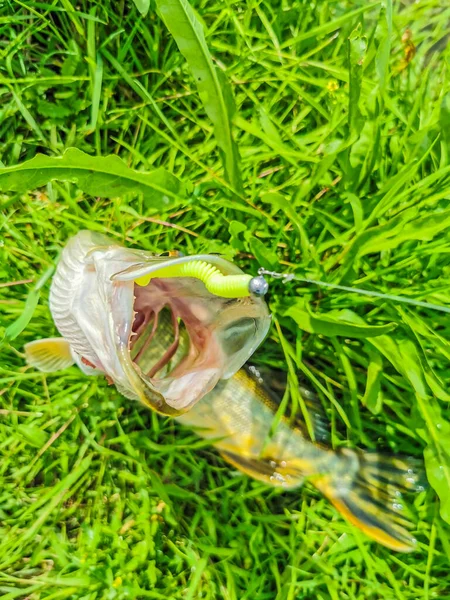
344	138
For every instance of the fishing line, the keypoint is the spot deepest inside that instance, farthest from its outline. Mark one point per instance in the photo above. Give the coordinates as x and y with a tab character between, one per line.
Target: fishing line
287	277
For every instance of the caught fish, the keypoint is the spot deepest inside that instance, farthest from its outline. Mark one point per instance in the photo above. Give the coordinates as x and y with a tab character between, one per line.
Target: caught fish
159	329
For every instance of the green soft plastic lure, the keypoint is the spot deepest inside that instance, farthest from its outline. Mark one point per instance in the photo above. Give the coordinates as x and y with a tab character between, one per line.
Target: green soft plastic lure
216	282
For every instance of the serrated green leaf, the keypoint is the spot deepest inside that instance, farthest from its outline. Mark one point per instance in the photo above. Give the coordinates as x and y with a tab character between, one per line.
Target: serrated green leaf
334	323
402	230
107	177
236	227
54	110
265	256
143	6
214	89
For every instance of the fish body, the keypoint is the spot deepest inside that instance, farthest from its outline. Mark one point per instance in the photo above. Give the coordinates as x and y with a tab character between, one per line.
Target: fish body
238	416
163	336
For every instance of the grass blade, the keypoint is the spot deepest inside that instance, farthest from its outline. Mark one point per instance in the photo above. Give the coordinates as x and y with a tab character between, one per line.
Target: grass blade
356	53
31	303
214	89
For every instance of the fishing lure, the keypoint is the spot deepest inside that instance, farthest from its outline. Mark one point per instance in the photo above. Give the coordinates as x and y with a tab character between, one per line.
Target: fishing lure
216	282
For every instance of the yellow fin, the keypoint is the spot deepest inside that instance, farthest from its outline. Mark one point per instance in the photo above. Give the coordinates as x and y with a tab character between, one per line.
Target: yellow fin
49	355
370	498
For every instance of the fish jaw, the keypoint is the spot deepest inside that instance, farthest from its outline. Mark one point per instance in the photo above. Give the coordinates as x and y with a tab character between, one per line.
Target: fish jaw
95	308
82	297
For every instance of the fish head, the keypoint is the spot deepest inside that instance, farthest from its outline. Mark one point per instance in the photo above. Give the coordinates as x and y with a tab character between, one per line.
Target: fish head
119	327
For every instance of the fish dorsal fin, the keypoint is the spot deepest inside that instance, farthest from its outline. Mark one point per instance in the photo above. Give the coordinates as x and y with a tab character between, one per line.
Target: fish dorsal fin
274	383
320	422
49	355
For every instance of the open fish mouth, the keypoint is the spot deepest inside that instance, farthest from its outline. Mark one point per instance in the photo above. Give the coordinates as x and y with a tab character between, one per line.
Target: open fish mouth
183	339
163	329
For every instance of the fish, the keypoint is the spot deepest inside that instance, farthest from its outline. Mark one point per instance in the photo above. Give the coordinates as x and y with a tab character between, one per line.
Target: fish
144	338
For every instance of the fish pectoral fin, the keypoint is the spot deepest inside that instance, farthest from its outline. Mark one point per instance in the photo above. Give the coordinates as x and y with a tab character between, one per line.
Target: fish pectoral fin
49	355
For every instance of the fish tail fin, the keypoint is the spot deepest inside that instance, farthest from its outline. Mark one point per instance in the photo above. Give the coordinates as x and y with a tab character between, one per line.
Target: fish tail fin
367	489
49	354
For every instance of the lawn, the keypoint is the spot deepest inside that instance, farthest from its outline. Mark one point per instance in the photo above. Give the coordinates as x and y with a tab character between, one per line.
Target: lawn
340	172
